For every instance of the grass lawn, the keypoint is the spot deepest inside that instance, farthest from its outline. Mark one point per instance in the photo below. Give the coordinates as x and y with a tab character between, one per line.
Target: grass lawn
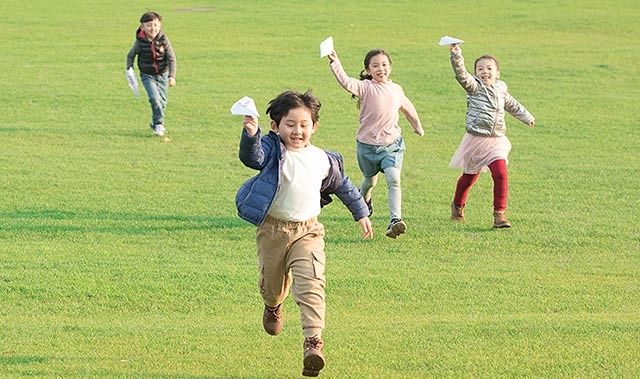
121	255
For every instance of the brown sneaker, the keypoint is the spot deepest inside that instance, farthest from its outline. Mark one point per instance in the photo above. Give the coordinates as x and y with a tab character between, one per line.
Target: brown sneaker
396	227
500	220
457	213
272	320
313	358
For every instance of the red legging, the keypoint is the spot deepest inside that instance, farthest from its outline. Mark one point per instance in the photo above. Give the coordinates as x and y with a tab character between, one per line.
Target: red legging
500	186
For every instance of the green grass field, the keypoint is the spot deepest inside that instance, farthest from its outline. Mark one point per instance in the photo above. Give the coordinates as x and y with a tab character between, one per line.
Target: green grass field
122	255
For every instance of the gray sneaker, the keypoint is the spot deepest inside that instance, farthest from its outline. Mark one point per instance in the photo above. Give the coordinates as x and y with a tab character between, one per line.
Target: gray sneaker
396	227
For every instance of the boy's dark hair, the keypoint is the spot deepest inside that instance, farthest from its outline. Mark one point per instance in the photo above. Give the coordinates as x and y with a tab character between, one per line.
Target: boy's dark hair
288	100
475	64
150	16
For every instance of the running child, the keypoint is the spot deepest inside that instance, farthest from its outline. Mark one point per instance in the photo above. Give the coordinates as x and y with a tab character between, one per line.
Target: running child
284	200
379	143
484	145
157	65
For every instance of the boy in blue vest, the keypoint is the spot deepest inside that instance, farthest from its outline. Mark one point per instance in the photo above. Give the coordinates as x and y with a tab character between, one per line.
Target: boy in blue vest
283	200
157	65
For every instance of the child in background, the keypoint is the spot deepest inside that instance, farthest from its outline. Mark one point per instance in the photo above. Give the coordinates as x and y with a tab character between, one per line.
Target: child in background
380	146
484	144
157	65
284	200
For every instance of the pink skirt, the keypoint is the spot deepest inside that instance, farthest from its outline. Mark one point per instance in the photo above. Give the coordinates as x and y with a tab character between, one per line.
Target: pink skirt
475	154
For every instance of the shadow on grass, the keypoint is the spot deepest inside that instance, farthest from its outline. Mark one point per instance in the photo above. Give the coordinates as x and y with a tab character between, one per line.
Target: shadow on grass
58	221
140	134
482	229
20	359
11	130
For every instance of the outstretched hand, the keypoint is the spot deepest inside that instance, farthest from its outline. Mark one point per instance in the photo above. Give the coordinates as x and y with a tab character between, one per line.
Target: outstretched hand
250	124
532	123
367	229
333	56
455	49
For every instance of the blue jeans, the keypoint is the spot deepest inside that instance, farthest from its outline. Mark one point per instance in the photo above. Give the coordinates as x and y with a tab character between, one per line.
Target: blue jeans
157	88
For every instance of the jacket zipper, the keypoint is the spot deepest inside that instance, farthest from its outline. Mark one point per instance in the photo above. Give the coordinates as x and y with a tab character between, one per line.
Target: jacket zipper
154	57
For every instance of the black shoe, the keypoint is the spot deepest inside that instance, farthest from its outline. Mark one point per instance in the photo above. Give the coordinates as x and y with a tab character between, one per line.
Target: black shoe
370	206
396	227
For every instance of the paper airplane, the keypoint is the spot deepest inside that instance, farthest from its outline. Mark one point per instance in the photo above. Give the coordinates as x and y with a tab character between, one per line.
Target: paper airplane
245	107
326	47
131	79
446	41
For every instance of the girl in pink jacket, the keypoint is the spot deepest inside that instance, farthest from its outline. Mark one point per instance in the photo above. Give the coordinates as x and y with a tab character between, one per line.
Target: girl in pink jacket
380	147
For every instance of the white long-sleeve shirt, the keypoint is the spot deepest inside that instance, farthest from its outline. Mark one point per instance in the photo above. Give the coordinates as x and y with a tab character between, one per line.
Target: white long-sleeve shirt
301	176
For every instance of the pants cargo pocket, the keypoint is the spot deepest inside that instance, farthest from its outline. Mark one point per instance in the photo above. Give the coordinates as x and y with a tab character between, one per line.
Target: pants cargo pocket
318	264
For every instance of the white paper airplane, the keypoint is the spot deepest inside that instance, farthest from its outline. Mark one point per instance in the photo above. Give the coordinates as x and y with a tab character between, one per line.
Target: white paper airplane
131	79
245	107
446	41
326	47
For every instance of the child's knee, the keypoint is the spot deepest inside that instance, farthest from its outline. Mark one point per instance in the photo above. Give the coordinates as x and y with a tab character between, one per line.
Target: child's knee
392	175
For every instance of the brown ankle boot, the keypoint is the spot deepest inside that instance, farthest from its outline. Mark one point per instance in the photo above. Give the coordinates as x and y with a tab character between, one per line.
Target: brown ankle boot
313	357
500	220
457	213
272	320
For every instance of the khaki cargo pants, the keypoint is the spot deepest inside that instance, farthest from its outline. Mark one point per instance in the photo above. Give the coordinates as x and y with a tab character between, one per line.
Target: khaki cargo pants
291	255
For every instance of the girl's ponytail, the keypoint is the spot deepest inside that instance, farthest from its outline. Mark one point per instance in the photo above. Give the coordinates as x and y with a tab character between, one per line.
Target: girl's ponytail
364	75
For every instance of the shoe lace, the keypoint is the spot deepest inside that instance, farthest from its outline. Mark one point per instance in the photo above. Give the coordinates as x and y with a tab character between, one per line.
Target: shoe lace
275	312
312	342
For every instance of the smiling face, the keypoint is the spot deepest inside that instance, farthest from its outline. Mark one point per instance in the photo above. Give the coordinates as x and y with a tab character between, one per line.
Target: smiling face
487	70
379	68
295	128
151	28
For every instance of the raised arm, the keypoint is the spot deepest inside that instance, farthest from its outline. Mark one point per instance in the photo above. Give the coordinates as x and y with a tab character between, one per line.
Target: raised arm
251	148
350	84
466	80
